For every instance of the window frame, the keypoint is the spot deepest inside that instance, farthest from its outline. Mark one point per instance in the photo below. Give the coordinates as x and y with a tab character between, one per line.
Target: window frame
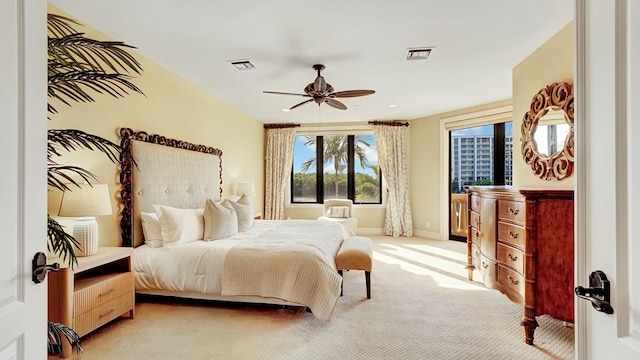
351	185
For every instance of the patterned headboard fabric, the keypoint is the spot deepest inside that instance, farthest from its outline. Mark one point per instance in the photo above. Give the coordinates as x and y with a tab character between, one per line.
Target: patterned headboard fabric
164	172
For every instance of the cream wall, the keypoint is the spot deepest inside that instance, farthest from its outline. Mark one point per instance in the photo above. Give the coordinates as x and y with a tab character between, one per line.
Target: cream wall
552	62
172	107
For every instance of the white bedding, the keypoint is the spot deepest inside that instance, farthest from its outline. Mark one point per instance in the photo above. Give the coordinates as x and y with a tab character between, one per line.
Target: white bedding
199	266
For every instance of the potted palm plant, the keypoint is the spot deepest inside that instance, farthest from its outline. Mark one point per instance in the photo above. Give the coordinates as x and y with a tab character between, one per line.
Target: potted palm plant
77	68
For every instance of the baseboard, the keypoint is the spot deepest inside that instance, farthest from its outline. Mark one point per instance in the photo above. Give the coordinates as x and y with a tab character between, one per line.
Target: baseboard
428	235
417	233
370	231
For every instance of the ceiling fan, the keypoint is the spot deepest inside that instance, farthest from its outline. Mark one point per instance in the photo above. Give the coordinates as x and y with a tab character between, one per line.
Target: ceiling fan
322	92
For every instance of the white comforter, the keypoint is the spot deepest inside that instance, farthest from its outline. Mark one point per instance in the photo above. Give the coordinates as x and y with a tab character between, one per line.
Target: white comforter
273	259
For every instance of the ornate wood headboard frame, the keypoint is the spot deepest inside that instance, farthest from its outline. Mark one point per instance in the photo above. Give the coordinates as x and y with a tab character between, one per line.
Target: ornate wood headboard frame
127	166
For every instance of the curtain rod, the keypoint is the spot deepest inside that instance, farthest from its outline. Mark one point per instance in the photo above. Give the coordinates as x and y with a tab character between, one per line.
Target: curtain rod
280	126
389	123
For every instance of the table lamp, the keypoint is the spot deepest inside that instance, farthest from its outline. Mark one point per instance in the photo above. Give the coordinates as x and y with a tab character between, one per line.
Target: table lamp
84	203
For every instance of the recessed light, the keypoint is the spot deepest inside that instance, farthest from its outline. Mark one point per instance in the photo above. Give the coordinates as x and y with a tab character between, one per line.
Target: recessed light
392	105
242	64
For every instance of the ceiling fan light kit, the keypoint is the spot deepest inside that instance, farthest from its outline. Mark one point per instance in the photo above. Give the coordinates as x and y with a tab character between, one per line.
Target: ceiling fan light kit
319	91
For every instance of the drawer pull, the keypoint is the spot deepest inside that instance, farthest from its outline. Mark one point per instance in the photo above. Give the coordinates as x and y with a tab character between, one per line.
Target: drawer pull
477	221
107	292
511	257
513	235
512	280
477	253
107	313
513	211
485	265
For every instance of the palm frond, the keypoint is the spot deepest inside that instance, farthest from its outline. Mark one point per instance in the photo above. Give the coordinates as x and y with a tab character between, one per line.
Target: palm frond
59	25
56	331
73	85
98	55
61	243
58	176
73	139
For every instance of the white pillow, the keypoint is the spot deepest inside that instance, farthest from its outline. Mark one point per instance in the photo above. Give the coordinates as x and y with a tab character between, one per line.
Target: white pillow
151	229
180	225
220	220
244	213
338	212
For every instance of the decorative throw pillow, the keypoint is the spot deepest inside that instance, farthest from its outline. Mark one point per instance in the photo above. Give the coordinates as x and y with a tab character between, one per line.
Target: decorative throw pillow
151	229
338	212
220	220
244	213
180	225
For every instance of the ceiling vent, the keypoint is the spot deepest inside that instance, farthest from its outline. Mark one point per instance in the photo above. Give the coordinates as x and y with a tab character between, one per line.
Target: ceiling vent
418	53
242	65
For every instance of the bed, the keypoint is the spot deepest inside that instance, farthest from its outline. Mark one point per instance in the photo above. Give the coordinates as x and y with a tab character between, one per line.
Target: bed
285	262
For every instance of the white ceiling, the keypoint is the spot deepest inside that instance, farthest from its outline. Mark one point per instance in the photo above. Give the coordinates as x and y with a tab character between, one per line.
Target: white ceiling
362	43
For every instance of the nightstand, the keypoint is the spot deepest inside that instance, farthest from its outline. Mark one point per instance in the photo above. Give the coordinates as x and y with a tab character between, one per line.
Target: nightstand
98	290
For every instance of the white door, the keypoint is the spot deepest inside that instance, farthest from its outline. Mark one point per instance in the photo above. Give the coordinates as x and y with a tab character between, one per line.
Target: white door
23	304
608	164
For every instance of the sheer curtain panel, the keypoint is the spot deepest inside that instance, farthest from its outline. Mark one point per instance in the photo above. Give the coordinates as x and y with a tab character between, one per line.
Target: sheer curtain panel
392	155
279	160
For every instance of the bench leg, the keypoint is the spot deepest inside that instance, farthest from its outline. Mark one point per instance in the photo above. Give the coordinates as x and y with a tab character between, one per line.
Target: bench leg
342	283
367	279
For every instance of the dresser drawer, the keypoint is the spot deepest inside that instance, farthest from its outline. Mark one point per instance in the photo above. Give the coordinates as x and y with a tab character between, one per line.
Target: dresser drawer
475	255
488	269
474	219
511	282
512	234
511	257
91	320
511	210
475	236
97	290
475	202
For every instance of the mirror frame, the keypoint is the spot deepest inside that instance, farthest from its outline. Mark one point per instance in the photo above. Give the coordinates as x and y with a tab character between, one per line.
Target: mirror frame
557	166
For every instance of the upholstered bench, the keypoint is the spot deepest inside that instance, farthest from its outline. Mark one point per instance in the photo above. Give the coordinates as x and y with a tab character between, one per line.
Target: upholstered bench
356	253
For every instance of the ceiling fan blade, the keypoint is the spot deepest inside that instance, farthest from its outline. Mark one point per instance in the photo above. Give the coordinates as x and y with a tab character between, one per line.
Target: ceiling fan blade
335	103
284	93
302	103
352	93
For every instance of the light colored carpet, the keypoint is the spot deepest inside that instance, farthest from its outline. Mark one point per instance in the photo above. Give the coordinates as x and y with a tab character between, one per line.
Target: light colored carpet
422	307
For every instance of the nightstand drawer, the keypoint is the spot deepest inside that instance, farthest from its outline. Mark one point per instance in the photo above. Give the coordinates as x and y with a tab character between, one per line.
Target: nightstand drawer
97	290
90	320
475	219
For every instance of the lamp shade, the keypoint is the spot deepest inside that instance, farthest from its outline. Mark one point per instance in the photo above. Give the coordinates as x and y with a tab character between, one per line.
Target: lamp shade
246	188
87	200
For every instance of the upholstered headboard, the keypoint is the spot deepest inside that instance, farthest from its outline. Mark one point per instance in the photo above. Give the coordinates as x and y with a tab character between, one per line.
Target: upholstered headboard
164	171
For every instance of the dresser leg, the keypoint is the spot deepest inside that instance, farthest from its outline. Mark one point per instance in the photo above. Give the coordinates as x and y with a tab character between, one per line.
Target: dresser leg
470	272
530	326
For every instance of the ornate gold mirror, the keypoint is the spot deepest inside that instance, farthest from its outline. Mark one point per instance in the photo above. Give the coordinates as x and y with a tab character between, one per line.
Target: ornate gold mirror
547	132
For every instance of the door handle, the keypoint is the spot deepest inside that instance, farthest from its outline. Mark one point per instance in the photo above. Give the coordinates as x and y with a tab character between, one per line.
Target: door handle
599	292
40	267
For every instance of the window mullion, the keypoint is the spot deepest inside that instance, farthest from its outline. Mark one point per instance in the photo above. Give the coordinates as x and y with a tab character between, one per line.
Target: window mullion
320	169
351	169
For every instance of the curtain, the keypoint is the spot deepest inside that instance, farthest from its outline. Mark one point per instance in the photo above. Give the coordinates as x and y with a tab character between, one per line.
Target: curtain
279	158
392	156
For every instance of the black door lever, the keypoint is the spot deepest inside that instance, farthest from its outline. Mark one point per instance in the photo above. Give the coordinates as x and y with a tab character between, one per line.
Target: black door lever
598	293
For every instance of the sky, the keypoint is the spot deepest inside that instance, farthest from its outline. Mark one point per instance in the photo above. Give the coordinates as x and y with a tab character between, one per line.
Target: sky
302	153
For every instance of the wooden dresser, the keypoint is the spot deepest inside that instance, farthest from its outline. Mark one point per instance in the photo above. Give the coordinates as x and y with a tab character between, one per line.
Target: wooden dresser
521	242
99	289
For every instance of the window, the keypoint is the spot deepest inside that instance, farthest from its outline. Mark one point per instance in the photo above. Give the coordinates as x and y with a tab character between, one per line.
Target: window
335	166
